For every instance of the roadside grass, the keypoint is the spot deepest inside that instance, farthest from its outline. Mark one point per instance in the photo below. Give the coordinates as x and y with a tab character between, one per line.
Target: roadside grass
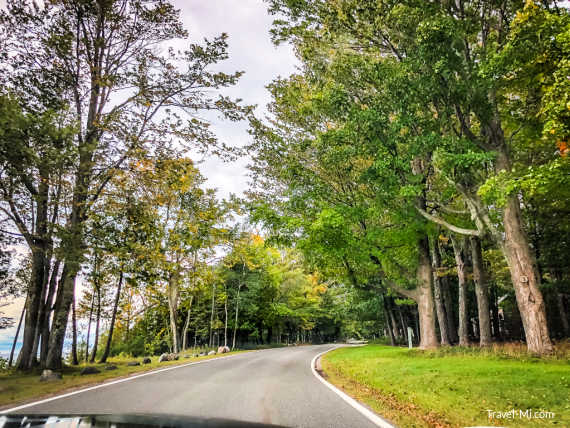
454	386
18	387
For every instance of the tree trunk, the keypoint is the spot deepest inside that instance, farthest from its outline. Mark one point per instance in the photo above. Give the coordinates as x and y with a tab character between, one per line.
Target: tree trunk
438	295
15	341
563	313
524	272
448	301
26	357
459	252
186	324
89	326
61	315
212	316
97	323
236	319
74	359
173	297
107	350
425	298
404	324
226	321
47	313
42	309
395	328
495	312
388	321
482	292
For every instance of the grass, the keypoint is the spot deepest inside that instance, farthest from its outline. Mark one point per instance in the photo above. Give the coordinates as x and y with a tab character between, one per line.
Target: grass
17	387
454	387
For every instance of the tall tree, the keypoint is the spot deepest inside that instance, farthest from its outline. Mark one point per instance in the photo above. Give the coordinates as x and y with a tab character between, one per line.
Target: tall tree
103	54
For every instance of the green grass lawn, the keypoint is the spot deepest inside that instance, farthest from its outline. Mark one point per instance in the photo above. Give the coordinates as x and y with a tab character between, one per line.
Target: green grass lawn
452	386
17	388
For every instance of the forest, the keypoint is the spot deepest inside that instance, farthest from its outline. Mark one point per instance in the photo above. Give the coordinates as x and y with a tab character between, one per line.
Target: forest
412	177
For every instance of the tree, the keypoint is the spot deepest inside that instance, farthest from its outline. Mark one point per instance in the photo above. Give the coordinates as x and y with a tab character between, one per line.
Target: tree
445	52
100	57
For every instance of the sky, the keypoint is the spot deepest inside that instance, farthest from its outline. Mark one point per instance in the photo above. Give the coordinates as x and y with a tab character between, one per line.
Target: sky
250	49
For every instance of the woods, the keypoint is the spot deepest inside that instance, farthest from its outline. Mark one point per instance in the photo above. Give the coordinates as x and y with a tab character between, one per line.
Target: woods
412	173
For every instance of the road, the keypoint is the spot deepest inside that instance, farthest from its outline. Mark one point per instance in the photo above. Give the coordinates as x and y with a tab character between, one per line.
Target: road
273	386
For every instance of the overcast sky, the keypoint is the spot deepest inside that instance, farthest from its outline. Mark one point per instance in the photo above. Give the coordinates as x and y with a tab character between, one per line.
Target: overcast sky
247	24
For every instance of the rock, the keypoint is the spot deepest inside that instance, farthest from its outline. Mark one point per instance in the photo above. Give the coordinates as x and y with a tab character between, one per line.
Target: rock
89	370
202	354
223	349
168	357
49	375
187	356
111	367
146	360
133	363
212	353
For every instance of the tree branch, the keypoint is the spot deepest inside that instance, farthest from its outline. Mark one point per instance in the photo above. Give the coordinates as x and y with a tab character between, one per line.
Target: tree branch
442	222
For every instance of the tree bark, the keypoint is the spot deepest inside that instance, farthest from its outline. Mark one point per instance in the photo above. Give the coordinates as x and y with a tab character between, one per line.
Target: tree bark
438	295
226	321
173	297
428	337
236	318
107	350
448	301
46	328
388	320
26	356
482	292
89	326
74	359
495	314
212	316
395	328
459	252
186	324
563	313
524	271
97	323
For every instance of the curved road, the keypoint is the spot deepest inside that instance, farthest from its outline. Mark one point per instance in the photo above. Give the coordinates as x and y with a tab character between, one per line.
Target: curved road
274	386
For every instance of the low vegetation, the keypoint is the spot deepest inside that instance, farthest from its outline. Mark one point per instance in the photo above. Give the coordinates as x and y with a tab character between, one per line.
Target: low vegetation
453	387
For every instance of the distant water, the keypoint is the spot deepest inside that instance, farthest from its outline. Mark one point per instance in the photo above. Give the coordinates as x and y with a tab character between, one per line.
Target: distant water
6	346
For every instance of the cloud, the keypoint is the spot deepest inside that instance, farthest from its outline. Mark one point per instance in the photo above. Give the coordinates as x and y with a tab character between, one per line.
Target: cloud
250	49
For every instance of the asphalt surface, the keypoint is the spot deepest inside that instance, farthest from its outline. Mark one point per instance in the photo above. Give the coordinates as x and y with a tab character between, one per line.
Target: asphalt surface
273	386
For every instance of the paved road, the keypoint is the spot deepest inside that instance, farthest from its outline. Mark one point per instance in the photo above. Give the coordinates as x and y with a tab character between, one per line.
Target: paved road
274	386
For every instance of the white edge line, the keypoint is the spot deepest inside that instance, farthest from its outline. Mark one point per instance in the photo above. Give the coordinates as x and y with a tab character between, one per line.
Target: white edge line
103	385
371	416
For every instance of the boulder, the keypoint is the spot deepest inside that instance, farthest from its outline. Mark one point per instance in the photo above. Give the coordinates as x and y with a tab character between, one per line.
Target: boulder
133	363
212	353
89	370
223	349
146	360
163	357
173	357
111	367
202	354
49	375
